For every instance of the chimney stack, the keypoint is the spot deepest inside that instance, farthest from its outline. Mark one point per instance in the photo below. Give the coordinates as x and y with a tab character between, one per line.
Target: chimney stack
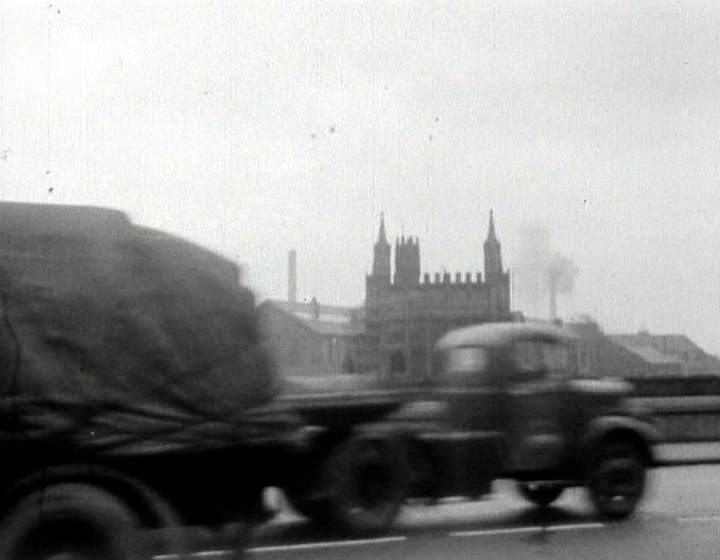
292	276
553	296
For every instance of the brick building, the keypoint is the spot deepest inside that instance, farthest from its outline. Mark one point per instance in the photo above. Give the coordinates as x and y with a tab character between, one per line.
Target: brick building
312	339
693	359
406	313
595	354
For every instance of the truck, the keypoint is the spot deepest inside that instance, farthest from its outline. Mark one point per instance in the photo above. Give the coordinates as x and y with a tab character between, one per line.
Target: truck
138	399
135	394
502	403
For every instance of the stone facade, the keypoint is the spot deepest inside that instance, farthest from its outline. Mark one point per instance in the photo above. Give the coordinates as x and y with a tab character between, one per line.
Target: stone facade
406	314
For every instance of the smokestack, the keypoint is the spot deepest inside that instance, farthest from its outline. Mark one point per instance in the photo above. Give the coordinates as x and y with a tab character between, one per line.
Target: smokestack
292	276
553	297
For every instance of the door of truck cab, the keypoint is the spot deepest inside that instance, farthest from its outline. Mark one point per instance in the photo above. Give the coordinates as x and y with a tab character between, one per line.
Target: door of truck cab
471	396
536	393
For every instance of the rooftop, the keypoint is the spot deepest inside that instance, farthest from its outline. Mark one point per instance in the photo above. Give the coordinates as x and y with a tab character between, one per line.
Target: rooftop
329	320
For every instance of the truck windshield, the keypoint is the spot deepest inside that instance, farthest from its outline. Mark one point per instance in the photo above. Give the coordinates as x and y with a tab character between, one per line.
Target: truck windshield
541	358
466	361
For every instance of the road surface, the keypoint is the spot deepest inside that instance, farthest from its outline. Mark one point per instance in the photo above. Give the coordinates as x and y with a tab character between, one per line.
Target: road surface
679	518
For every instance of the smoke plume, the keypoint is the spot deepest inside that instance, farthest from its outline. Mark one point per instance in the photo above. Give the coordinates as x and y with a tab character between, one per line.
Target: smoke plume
538	269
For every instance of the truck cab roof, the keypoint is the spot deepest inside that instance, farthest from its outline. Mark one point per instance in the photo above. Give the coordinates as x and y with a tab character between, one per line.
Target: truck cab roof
495	334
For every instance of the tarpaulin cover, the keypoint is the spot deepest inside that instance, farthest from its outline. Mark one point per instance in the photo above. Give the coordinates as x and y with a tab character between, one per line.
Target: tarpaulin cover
118	339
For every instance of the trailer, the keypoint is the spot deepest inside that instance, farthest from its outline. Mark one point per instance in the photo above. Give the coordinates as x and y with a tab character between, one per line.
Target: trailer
134	390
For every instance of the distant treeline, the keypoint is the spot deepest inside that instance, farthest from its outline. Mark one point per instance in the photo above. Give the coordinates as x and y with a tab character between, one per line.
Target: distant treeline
693	385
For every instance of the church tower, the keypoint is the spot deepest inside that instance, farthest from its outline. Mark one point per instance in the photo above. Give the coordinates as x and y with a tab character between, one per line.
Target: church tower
493	256
407	261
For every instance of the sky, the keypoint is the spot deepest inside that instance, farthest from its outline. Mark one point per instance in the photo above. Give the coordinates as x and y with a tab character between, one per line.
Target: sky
592	129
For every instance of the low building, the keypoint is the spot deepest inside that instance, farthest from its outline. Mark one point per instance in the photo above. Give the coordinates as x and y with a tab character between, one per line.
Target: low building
313	339
597	354
693	359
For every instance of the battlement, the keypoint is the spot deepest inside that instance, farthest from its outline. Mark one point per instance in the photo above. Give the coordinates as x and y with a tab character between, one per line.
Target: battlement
447	279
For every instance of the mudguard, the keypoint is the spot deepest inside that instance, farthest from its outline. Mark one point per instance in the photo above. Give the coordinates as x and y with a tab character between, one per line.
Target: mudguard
643	432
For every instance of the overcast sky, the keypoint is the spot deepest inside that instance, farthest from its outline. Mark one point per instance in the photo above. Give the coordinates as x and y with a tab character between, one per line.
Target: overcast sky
257	127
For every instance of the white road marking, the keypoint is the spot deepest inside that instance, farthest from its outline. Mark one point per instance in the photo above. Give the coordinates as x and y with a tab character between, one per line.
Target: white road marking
489	532
699	519
326	544
526	530
575	526
203	554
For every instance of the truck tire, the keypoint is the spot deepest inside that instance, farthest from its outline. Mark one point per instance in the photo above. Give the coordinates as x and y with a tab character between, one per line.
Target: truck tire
71	521
616	478
366	480
540	494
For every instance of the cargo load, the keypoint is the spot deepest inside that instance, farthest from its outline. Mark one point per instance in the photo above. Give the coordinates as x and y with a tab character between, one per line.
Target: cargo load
117	339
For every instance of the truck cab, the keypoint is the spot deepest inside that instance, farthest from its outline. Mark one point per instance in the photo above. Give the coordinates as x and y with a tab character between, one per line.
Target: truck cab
510	388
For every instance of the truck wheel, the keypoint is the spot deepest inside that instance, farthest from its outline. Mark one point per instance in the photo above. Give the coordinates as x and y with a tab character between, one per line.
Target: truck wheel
367	483
616	479
71	522
540	494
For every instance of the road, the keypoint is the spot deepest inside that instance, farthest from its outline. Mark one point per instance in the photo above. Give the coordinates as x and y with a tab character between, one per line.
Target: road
679	518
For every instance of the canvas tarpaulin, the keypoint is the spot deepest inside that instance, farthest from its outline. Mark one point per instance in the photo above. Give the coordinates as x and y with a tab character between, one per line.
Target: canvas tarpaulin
121	340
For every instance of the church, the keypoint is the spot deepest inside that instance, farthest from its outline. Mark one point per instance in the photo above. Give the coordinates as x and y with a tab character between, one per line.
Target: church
406	312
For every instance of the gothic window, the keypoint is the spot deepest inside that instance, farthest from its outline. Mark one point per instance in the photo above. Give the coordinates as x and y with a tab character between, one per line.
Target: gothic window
348	365
326	350
397	362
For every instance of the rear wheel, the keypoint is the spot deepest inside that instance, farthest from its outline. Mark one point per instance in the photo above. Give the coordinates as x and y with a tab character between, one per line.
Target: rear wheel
71	522
540	493
367	482
616	479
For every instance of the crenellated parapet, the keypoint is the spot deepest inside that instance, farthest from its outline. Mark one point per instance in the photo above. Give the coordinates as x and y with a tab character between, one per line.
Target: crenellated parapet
459	279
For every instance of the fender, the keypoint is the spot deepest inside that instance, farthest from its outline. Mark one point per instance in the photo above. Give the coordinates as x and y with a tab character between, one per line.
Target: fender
644	432
154	510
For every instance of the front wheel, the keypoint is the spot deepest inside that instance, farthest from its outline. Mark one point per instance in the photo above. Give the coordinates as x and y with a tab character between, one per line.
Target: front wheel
616	479
539	493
